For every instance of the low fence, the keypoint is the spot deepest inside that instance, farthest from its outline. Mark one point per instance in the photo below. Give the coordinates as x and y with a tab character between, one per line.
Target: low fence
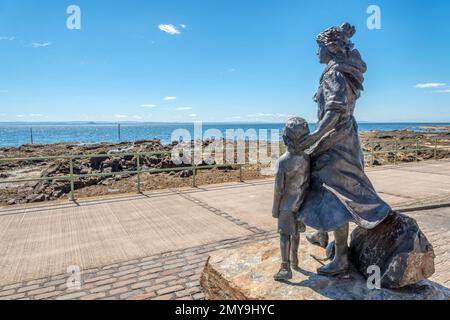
430	146
403	146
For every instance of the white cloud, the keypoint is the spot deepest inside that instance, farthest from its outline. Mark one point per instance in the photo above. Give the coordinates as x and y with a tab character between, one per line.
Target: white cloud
270	116
120	116
430	85
169	28
442	91
183	26
169	98
41	44
193	115
184	108
7	38
36	115
20	116
148	105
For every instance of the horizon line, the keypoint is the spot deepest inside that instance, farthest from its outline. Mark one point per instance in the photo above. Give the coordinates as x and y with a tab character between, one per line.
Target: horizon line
191	122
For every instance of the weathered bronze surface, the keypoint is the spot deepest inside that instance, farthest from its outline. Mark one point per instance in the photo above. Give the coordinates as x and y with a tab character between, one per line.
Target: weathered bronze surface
337	190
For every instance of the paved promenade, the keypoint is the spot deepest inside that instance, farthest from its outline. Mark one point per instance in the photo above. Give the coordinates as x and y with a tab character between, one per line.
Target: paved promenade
154	246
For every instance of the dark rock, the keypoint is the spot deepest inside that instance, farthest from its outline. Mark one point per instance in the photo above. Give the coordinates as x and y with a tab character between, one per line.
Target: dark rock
91	181
114	163
57	194
186	173
36	198
398	247
41	186
96	163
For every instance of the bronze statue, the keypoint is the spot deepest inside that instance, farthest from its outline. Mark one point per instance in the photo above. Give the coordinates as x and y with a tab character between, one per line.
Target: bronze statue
291	184
339	191
322	179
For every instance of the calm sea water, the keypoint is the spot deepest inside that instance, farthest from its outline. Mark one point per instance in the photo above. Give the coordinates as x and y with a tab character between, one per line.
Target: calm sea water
17	134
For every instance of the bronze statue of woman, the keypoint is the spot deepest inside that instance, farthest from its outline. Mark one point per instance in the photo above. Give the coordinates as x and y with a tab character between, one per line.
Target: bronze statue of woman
340	192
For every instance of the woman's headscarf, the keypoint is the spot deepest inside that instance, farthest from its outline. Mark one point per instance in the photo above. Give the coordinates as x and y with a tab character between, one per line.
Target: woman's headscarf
345	59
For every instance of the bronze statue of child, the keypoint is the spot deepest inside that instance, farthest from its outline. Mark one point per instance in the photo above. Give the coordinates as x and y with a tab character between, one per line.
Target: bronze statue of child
291	184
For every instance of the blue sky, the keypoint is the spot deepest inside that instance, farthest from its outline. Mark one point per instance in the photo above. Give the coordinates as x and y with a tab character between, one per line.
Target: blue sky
223	60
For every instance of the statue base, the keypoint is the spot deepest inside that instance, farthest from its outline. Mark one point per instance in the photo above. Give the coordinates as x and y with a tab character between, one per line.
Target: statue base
246	273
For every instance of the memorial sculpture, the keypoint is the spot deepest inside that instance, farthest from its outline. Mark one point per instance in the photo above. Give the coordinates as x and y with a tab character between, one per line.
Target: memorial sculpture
320	183
337	190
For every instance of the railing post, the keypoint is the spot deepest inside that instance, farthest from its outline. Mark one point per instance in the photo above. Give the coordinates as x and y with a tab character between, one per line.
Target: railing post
372	155
435	148
72	185
395	152
138	168
194	172
194	166
417	149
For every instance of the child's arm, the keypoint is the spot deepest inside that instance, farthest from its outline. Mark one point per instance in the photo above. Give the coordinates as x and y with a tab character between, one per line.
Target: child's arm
279	190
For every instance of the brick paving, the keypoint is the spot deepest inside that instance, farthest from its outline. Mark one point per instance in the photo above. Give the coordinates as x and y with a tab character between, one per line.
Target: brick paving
176	275
170	276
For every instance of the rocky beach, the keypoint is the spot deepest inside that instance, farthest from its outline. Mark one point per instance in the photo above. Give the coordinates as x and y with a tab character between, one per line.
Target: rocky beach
379	148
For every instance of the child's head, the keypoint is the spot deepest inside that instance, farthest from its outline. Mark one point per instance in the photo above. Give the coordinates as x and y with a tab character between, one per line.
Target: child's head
295	131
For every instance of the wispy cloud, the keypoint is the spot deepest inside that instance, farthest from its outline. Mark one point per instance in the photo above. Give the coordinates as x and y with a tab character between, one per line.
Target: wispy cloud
183	26
41	44
169	98
442	91
430	85
36	115
129	117
169	28
184	108
7	38
193	115
148	105
269	116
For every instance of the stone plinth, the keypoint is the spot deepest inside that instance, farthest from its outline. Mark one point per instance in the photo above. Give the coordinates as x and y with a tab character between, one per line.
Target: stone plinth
246	273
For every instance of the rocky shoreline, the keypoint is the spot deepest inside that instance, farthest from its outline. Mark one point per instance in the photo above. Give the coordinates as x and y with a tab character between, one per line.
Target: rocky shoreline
435	144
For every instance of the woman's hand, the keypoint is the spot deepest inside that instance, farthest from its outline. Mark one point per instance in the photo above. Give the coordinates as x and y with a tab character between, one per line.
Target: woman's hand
324	128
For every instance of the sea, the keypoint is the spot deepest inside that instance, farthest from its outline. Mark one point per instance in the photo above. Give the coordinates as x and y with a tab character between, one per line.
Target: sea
17	134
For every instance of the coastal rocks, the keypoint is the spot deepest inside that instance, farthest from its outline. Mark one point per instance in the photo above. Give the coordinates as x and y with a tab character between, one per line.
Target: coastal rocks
246	273
96	163
186	173
398	247
113	164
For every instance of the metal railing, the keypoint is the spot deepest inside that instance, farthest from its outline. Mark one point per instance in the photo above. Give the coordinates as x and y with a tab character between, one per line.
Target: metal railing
72	177
418	147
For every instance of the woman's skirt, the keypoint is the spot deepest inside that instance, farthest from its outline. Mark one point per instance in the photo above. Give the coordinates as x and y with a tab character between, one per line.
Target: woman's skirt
340	192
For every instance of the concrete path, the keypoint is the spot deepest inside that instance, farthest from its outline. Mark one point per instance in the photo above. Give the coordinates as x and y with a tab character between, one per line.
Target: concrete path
155	245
